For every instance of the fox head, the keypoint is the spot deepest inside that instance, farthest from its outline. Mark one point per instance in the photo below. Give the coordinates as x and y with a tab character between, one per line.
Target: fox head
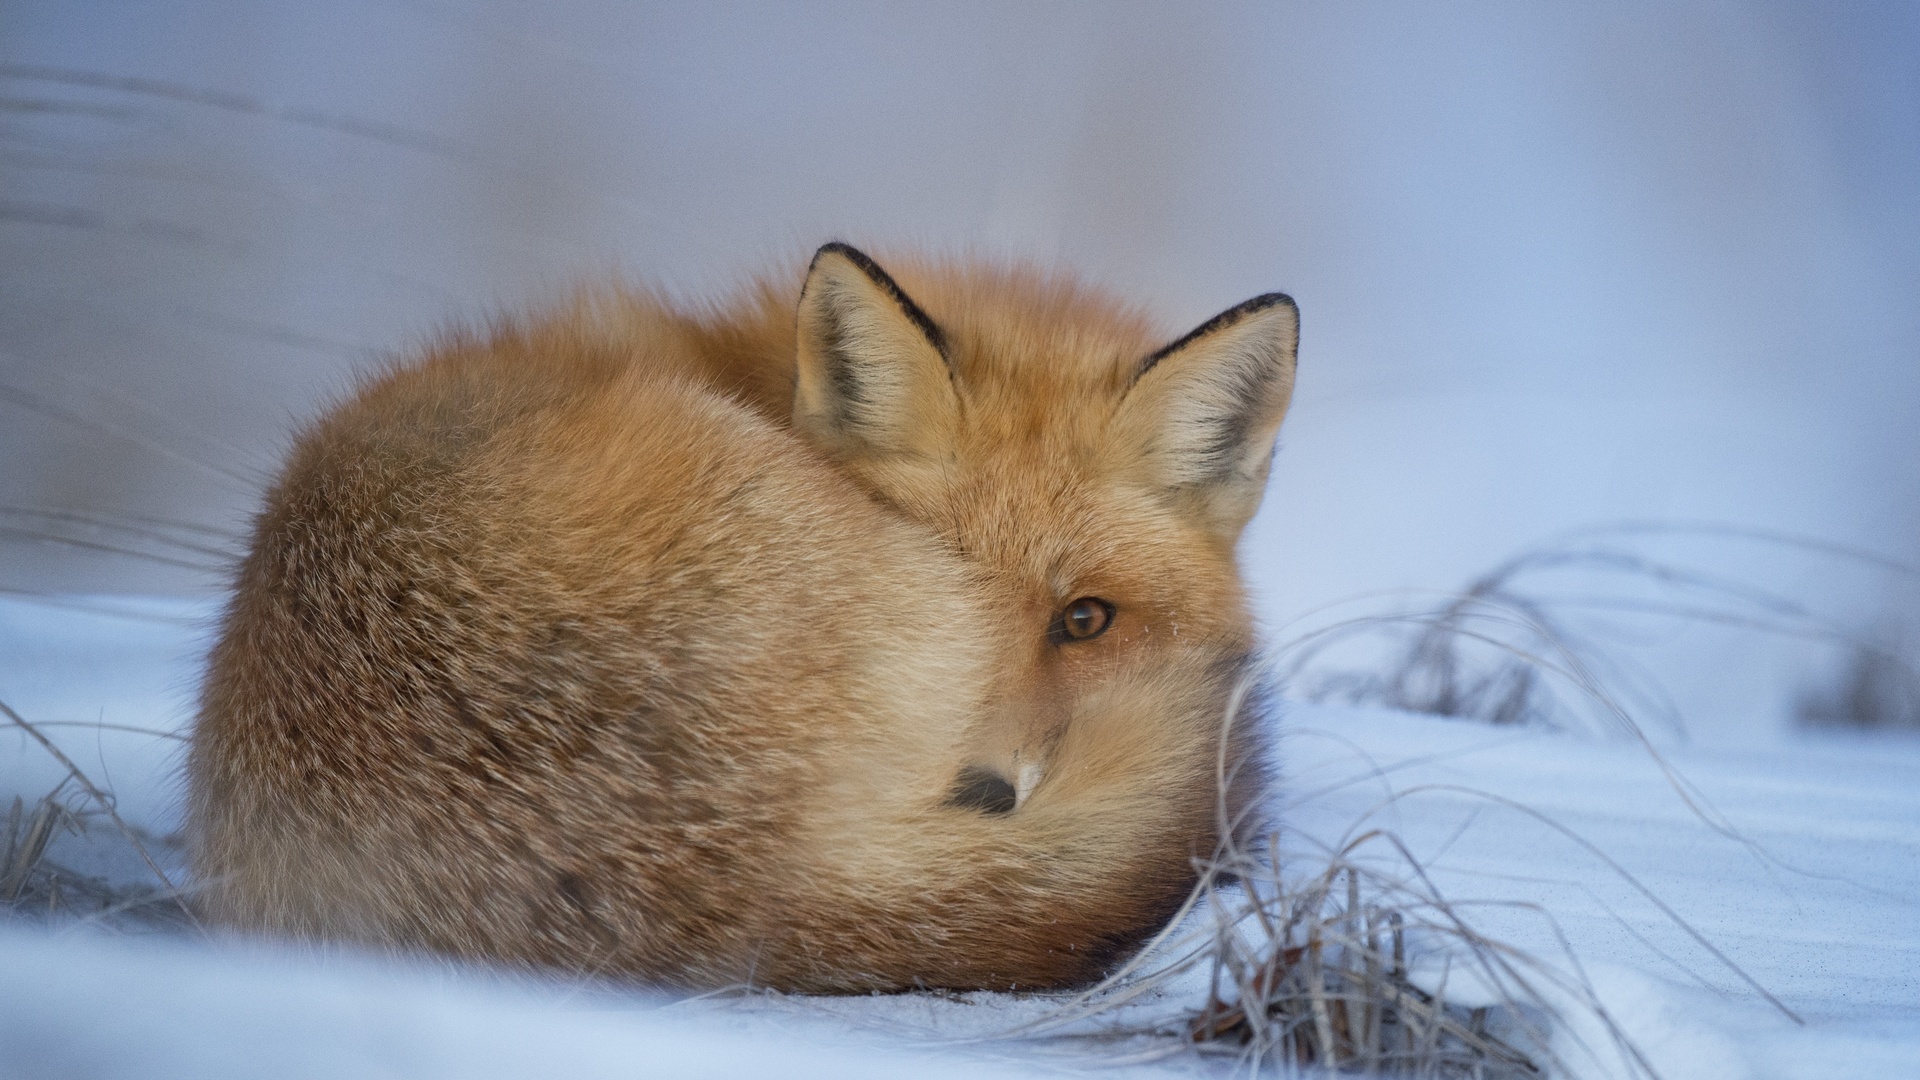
1096	479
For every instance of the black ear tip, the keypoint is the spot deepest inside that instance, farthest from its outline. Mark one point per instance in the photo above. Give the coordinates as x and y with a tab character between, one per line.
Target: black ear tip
1246	309
884	281
844	250
1269	300
1223	320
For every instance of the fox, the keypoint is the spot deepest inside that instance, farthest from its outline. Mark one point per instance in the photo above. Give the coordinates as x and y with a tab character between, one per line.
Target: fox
878	635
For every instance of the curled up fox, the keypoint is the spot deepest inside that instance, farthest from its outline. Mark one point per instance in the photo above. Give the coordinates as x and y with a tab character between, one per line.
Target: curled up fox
872	635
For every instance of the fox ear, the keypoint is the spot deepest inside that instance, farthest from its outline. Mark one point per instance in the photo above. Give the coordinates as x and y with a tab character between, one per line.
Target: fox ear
1203	412
872	379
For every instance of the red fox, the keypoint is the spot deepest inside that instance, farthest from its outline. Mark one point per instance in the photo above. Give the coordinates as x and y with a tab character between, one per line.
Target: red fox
883	646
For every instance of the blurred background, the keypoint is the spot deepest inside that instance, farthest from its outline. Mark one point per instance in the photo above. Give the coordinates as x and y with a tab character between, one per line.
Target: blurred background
1560	266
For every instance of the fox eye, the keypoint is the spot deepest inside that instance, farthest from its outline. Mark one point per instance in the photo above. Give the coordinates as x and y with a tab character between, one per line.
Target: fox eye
1083	620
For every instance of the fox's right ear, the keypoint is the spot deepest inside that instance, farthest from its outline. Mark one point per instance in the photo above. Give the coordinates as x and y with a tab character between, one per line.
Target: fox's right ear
872	384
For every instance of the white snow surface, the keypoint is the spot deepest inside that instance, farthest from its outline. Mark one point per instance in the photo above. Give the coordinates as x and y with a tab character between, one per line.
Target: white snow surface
1683	884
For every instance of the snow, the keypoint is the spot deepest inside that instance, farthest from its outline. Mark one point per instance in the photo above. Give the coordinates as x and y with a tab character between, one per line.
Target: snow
1561	265
1813	890
1797	862
75	1006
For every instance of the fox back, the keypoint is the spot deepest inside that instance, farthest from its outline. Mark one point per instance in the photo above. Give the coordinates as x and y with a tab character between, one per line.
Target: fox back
872	637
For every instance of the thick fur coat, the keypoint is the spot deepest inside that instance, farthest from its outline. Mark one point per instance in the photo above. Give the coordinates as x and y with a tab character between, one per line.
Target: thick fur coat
872	635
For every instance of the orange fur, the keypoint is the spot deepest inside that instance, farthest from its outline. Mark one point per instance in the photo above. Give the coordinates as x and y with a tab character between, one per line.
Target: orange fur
636	641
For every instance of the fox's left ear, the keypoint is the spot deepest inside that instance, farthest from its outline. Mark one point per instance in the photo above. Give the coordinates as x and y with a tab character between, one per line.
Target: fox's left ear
1203	412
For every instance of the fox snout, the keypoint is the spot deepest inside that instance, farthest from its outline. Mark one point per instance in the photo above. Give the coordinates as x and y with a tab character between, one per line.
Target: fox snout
980	788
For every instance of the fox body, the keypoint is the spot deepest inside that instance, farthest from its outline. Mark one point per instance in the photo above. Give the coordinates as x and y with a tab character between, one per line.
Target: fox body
887	644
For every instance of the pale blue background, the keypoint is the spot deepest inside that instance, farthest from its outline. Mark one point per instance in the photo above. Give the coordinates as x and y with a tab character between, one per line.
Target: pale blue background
1558	264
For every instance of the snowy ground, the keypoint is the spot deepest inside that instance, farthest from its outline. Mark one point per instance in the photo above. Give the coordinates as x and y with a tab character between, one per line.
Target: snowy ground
1798	861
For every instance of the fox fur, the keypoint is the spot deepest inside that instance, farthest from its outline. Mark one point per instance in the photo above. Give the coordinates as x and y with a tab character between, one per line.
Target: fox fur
719	646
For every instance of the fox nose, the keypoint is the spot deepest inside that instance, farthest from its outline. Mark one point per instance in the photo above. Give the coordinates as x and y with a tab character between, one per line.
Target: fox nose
984	790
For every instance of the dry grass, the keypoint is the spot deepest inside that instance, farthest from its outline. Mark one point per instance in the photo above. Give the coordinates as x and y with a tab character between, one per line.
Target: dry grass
33	884
1325	980
1348	969
204	551
1538	638
1874	688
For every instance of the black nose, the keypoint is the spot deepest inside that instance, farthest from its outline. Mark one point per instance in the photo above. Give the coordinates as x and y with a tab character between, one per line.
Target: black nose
980	789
